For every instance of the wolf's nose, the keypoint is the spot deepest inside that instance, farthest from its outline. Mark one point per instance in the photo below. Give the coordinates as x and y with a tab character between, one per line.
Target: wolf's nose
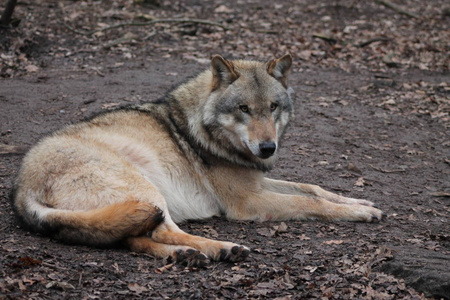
267	149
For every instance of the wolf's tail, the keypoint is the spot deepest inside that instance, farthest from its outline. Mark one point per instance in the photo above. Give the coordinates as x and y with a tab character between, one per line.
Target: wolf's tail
97	227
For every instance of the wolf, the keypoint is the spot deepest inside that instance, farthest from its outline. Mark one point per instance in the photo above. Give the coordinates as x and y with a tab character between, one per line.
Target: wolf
130	175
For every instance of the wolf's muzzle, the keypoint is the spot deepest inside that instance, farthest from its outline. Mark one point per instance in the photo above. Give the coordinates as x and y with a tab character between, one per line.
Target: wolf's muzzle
267	149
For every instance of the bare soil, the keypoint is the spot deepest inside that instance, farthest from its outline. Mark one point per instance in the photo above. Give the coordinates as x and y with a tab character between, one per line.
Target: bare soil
371	122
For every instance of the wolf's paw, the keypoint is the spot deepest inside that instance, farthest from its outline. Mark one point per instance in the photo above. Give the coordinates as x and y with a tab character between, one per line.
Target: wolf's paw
235	253
377	217
191	258
369	214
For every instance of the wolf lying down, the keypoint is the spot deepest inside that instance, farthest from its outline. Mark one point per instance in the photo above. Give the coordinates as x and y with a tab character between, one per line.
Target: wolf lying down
131	174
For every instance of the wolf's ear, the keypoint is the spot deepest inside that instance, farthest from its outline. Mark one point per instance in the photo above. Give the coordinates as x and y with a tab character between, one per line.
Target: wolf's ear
223	72
279	68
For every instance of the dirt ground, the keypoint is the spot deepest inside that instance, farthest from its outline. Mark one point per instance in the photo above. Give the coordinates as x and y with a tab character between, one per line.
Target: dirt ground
372	121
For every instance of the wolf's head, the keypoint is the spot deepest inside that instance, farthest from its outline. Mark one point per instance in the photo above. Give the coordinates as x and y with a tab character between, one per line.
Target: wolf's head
247	109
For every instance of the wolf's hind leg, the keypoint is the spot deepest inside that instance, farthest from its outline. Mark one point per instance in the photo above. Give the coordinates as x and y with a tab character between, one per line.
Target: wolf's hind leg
169	233
181	254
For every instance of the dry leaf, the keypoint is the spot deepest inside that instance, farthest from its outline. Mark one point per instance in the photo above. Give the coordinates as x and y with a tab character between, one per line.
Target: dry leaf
311	269
223	9
265	232
305	55
353	168
22	286
333	242
110	105
360	182
303	237
31	68
60	285
137	288
164	268
282	228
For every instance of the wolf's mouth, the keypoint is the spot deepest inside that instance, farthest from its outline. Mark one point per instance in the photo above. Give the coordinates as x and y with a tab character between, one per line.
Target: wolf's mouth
264	156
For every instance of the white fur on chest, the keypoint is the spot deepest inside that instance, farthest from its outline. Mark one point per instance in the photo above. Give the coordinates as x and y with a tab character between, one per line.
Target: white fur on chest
186	197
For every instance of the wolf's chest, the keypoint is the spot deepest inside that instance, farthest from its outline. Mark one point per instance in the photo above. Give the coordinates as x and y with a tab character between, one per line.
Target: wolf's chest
186	191
186	197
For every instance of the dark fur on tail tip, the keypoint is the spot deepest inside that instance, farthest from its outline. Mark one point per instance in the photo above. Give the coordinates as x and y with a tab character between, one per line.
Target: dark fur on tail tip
44	228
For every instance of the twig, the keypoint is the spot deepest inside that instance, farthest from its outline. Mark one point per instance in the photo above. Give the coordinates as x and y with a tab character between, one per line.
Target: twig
329	39
440	194
127	38
73	29
149	36
387	171
12	150
53	266
373	40
397	8
80	278
197	21
267	31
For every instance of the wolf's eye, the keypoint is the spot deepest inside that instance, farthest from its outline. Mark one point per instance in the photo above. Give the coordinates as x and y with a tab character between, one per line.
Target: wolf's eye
244	108
273	106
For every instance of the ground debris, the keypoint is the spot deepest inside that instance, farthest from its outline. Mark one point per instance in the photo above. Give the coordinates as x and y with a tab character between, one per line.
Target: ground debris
360	122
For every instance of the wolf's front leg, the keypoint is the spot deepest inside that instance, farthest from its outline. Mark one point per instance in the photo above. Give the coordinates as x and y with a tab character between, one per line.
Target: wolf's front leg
293	188
278	200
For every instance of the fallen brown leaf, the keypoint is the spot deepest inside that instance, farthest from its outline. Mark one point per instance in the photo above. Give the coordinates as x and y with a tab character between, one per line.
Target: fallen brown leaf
360	182
164	268
333	242
59	285
137	288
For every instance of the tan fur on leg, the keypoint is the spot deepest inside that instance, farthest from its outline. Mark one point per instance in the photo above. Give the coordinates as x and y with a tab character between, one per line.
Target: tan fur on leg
217	250
181	254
